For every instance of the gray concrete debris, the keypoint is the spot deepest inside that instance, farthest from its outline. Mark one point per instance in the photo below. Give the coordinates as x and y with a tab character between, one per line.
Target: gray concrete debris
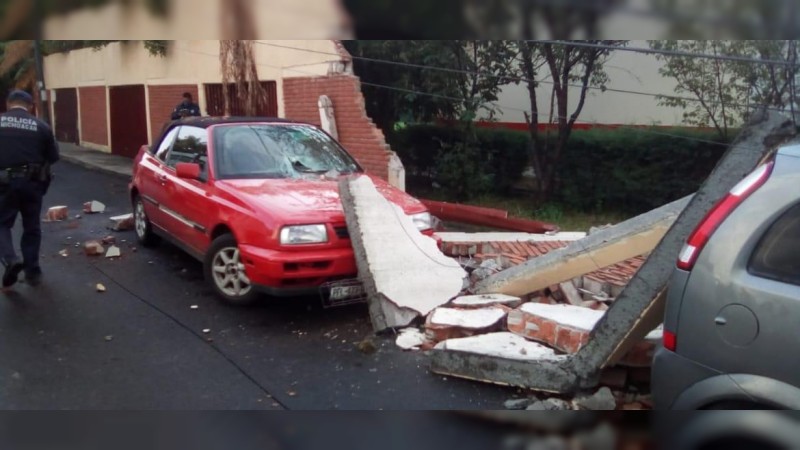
404	272
486	269
602	400
519	403
550	404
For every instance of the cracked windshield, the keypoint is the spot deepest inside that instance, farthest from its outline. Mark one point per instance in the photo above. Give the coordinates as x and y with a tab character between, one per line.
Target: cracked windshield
279	151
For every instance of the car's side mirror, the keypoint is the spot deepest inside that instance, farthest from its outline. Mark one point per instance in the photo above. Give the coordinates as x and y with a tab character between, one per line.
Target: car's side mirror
189	171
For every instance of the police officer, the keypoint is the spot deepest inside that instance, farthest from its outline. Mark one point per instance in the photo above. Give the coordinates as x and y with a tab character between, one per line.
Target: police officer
27	150
186	108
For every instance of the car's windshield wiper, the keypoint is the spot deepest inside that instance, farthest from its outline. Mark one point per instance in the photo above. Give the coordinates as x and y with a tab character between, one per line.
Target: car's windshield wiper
300	167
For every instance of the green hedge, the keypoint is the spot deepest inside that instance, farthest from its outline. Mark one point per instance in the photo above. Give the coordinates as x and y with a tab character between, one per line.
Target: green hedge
628	169
634	170
501	155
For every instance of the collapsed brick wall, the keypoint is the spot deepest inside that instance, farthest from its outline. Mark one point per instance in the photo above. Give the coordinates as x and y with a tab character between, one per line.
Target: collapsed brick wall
357	133
163	100
94	123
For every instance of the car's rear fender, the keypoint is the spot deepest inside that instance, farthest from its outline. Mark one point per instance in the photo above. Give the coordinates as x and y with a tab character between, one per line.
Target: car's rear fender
753	389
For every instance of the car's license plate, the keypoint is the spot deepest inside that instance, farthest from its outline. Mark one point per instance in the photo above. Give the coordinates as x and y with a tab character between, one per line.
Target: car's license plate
343	292
346	292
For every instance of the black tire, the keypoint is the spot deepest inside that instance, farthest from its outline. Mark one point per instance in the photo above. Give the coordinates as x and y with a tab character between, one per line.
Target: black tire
224	271
142	225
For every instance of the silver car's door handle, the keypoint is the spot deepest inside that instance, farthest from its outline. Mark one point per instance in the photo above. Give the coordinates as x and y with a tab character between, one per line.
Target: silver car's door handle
719	320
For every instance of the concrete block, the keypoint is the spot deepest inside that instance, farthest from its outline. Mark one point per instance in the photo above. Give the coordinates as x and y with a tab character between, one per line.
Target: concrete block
570	293
404	272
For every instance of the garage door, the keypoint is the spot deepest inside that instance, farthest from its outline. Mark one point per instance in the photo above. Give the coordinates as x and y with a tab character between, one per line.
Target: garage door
65	107
128	113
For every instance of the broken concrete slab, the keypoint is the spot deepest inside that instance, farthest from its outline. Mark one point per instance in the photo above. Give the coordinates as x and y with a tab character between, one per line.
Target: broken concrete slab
404	273
57	214
626	240
93	248
621	327
93	207
482	301
121	223
113	252
449	323
502	345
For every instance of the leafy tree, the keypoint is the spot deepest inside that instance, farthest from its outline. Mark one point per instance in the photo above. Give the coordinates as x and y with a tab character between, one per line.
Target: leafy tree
568	67
722	93
411	93
718	90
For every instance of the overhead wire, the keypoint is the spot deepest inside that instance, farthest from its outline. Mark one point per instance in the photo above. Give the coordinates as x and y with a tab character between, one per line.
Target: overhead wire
517	78
505	107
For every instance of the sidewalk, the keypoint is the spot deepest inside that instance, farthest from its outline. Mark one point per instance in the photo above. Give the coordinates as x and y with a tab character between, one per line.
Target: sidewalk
93	159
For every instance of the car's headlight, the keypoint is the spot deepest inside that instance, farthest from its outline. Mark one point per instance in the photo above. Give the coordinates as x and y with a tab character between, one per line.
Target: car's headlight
423	221
304	234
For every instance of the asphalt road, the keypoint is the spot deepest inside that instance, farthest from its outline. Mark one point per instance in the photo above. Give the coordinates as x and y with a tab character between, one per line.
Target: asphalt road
139	345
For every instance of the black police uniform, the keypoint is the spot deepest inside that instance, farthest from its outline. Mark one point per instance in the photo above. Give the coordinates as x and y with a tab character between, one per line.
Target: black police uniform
185	109
27	150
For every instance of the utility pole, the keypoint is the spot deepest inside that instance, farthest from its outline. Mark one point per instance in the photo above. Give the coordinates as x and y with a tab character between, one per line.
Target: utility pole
44	111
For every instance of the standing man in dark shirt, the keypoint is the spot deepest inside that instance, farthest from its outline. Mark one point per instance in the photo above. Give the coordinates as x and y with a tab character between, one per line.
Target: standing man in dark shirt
186	108
27	150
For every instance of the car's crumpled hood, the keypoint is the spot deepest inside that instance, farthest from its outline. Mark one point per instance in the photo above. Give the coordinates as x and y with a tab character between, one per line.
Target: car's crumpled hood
309	194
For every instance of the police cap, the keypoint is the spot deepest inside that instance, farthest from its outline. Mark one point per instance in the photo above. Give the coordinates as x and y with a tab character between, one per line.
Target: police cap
18	96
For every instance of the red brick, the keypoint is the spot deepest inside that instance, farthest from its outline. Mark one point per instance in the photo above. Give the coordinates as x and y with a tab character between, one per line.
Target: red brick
357	133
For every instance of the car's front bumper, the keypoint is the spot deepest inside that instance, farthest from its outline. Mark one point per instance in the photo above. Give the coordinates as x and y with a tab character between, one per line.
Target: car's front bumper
284	273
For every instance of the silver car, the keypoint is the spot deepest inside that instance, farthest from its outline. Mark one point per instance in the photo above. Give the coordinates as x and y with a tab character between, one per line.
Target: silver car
732	323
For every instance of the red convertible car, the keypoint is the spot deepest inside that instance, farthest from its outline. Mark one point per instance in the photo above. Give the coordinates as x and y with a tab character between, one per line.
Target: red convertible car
257	201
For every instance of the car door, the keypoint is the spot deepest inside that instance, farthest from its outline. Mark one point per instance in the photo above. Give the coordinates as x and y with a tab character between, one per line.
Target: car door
152	174
189	201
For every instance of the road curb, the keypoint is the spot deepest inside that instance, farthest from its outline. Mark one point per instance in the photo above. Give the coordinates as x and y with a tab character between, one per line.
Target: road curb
87	165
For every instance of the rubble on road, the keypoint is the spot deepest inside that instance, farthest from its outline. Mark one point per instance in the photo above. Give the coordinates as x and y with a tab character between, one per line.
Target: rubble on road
57	214
602	400
93	207
113	252
121	223
580	341
410	339
109	240
93	248
404	273
100	287
64	253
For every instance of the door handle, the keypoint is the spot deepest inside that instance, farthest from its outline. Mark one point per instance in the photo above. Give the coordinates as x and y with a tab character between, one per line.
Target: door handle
162	179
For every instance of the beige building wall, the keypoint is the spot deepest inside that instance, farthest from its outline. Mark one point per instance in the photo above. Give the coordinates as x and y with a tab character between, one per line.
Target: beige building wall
627	71
188	62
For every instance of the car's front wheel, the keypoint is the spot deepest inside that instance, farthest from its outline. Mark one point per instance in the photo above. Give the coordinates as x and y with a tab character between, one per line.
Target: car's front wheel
144	230
225	271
